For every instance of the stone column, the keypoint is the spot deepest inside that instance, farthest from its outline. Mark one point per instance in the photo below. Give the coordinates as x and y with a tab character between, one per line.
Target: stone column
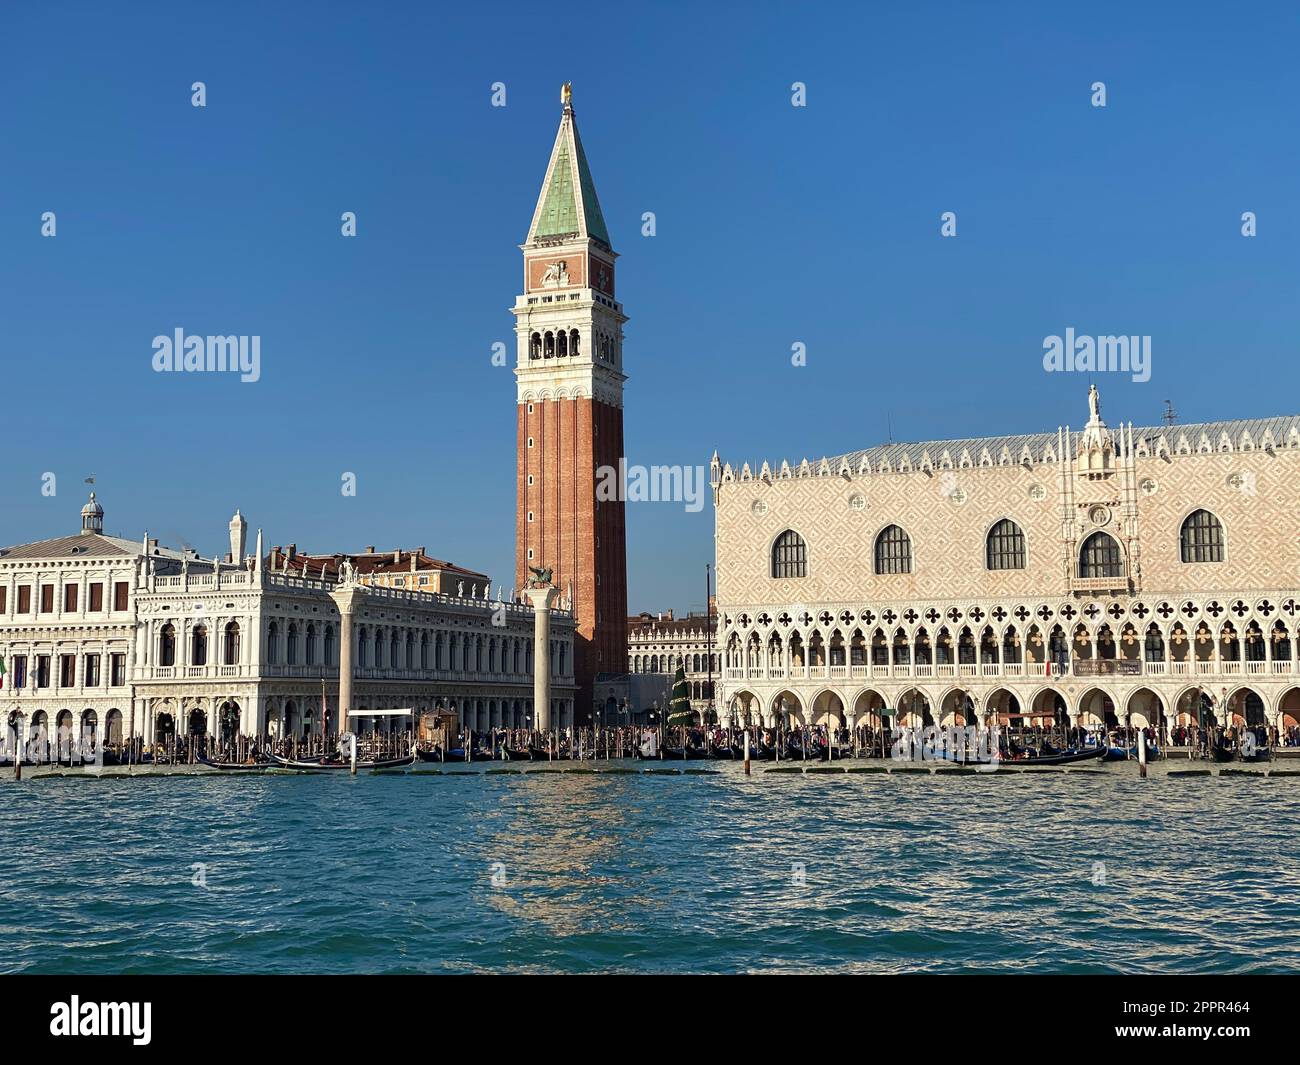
345	598
542	599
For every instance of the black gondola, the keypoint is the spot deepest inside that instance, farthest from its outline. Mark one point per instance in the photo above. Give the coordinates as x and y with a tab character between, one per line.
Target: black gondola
691	754
1078	755
211	763
377	763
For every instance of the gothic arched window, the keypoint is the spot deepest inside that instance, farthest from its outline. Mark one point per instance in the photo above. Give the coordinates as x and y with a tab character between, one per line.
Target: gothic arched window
574	342
1201	538
893	551
1005	546
789	555
1100	556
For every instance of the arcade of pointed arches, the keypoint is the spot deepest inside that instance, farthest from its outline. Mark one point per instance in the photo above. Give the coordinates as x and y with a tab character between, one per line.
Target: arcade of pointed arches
1046	706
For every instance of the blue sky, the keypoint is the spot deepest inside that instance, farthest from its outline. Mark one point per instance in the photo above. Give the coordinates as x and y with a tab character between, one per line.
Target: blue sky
776	225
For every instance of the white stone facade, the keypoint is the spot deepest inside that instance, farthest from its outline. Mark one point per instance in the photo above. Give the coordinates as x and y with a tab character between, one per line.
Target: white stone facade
187	644
1122	576
660	645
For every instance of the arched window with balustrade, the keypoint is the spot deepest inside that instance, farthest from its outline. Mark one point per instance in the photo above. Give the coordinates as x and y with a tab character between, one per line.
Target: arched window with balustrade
1101	556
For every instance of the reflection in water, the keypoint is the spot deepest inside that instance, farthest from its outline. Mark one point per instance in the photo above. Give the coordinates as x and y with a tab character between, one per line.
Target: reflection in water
721	873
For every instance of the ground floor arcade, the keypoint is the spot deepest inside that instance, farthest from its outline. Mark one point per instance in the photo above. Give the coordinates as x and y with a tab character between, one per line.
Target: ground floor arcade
1070	703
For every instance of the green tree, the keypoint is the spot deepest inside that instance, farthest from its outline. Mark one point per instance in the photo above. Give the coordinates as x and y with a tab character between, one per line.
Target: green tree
679	709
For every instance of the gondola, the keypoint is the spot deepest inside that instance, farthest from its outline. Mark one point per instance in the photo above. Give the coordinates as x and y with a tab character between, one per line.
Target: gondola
1221	752
758	752
841	752
378	763
795	751
1260	754
692	754
1082	754
1059	758
202	760
1123	754
540	754
516	754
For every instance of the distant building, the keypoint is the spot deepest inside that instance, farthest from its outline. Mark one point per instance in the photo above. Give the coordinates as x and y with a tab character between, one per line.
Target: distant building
660	643
399	568
129	638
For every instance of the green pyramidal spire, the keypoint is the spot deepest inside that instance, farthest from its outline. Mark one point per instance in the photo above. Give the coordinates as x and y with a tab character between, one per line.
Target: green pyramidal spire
568	208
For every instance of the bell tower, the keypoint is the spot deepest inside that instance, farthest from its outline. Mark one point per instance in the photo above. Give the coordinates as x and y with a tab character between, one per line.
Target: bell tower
569	391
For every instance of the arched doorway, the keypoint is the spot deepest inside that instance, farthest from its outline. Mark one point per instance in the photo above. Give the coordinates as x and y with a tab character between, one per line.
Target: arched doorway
1003	708
828	710
914	709
198	722
868	707
1145	709
164	727
786	708
1097	708
113	728
1245	708
1288	706
1196	707
228	719
957	707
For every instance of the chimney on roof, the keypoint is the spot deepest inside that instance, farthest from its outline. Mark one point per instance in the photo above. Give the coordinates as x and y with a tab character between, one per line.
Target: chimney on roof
370	549
420	550
292	552
414	556
397	556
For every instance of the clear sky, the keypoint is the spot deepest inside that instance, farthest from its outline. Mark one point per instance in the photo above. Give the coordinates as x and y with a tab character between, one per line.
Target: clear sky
776	225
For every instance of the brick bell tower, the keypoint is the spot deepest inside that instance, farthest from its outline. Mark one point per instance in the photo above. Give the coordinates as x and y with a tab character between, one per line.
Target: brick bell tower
569	377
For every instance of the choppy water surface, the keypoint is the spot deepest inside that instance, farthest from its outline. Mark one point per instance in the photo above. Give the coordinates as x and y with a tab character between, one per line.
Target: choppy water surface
603	872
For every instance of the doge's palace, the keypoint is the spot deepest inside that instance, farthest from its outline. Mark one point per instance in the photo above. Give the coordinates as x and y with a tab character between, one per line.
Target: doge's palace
1117	575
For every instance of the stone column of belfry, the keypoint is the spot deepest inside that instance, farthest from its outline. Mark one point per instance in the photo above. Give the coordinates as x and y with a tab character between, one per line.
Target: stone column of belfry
542	599
345	599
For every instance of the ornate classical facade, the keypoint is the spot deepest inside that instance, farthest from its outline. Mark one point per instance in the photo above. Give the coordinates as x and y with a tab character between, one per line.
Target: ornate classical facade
1128	575
569	374
135	639
659	644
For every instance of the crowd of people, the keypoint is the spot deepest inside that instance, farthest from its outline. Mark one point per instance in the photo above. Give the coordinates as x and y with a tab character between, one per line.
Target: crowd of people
790	741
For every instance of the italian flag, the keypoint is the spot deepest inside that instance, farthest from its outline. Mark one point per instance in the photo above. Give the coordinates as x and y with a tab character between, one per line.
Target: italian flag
2	671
